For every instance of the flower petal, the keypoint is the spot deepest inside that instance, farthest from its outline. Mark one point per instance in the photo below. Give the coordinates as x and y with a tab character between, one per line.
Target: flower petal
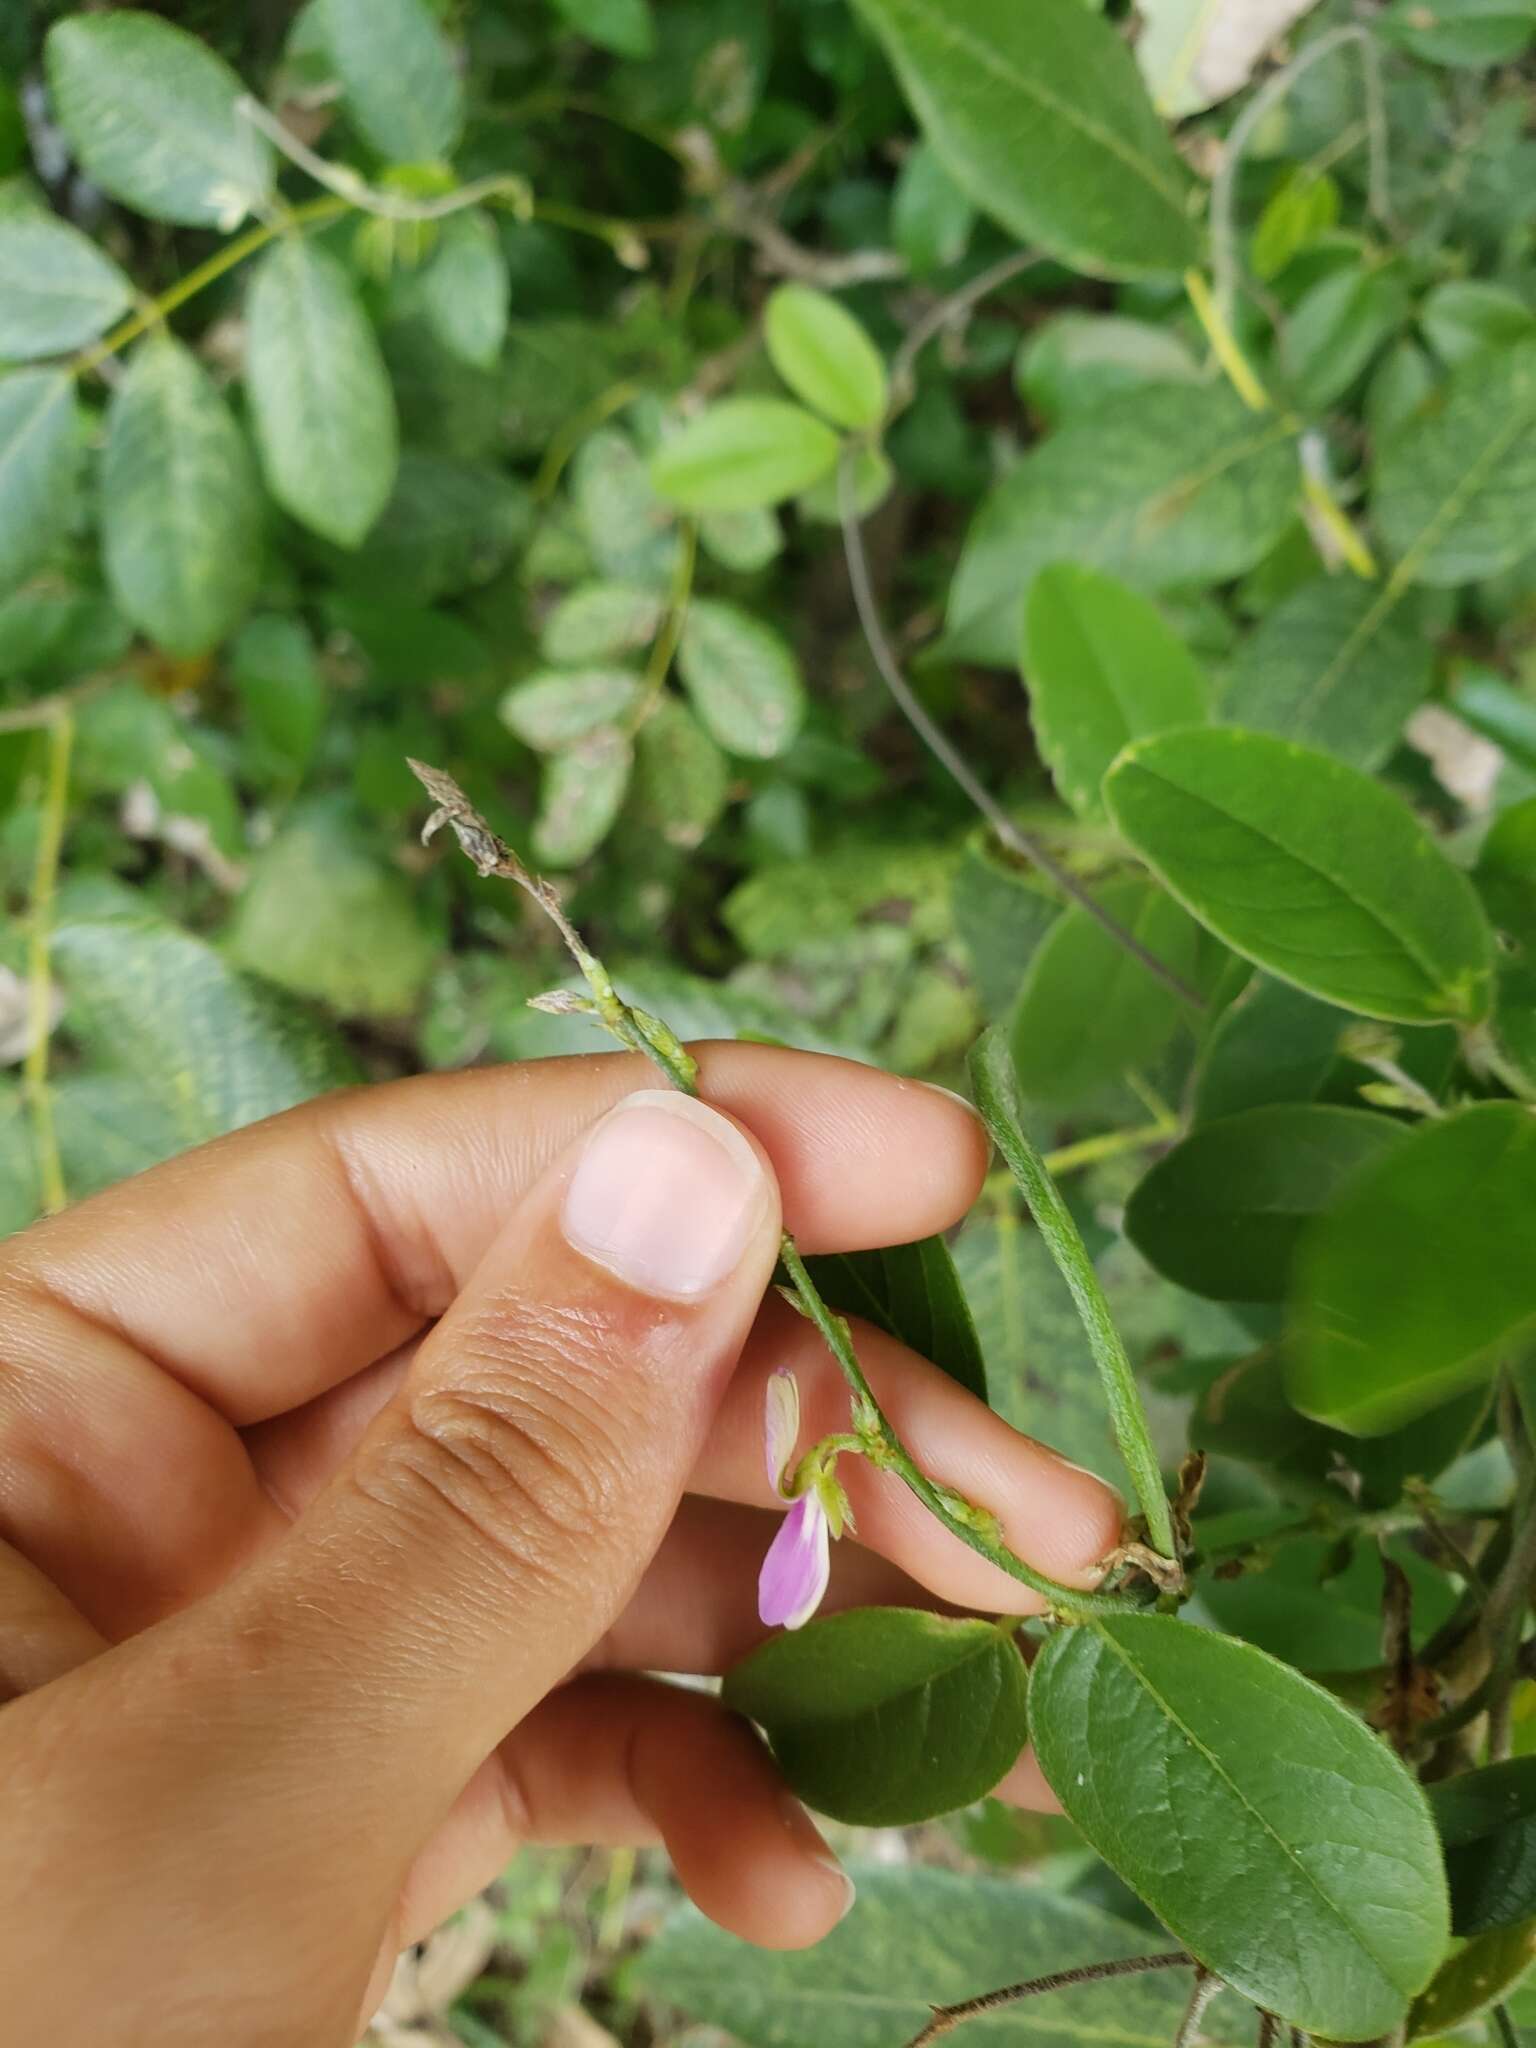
793	1580
781	1426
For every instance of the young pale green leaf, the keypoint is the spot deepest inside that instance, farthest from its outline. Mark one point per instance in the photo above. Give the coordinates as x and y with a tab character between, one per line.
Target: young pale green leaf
598	621
1102	668
554	710
39	462
1043	121
1336	665
746	540
398	76
1469	32
627	27
1418	1278
466	290
1088	1009
913	1292
180	504
1302	209
681	778
1274	1044
824	356
884	1716
275	672
151	115
57	290
581	795
1487	1823
1235	1797
1194	53
1309	868
931	218
1221	1214
360	947
1454	490
741	453
920	1936
995	1089
1489	1967
325	415
743	679
1167	486
205	1045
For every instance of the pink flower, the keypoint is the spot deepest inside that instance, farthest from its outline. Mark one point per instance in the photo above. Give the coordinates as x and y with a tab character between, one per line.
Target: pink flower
795	1572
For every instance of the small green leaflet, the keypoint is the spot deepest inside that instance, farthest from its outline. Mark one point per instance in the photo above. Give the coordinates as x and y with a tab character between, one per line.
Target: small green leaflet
580	797
912	1292
57	290
553	710
885	1716
824	356
742	677
1309	868
1041	119
153	118
324	410
1235	1796
39	461
1415	1282
741	453
181	514
1102	668
1487	1823
398	76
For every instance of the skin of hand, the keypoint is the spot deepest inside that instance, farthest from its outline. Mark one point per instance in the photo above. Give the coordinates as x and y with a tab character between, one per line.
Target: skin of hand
356	1470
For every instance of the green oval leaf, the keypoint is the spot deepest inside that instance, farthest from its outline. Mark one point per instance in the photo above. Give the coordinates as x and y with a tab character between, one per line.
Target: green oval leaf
397	75
1042	119
466	290
1274	1044
743	452
824	356
1102	668
1275	1836
743	679
681	778
1470	1982
1310	868
1088	1009
39	461
1415	1282
150	113
57	290
1336	665
180	506
931	218
582	794
1167	486
885	1716
551	711
1487	1823
324	411
918	1937
912	1292
1454	489
1222	1213
597	621
1337	327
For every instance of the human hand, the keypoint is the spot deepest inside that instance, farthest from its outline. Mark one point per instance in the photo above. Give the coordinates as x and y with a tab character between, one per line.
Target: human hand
354	1468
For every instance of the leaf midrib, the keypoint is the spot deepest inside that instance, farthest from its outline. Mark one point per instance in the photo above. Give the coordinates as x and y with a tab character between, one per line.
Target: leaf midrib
1064	111
1237	1792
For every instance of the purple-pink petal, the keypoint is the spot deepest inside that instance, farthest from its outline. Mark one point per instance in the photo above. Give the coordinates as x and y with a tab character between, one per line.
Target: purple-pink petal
795	1572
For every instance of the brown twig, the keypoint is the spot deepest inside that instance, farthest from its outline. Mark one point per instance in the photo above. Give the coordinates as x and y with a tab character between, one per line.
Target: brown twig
947	2017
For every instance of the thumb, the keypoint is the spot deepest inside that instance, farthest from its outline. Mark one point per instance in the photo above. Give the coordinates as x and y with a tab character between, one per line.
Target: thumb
496	1517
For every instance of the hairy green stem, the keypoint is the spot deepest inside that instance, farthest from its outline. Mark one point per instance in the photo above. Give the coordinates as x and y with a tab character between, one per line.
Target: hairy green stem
996	1098
947	2017
975	1527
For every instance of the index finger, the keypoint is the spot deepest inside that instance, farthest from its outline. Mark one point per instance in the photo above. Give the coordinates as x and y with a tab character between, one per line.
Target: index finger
275	1263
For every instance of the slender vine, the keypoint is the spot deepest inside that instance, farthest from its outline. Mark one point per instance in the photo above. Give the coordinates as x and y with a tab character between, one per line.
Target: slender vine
947	2017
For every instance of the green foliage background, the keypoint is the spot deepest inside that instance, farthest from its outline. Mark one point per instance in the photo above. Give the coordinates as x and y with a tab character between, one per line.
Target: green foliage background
519	386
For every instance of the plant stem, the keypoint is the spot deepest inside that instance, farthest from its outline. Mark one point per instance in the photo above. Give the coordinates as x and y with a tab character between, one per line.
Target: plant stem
1110	1145
996	1098
45	873
947	2017
314	213
948	312
975	1527
664	646
955	763
1504	2027
1205	1989
1224	344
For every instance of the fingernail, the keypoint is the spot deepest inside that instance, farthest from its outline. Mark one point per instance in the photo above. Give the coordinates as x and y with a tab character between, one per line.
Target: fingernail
951	1095
666	1196
808	1838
